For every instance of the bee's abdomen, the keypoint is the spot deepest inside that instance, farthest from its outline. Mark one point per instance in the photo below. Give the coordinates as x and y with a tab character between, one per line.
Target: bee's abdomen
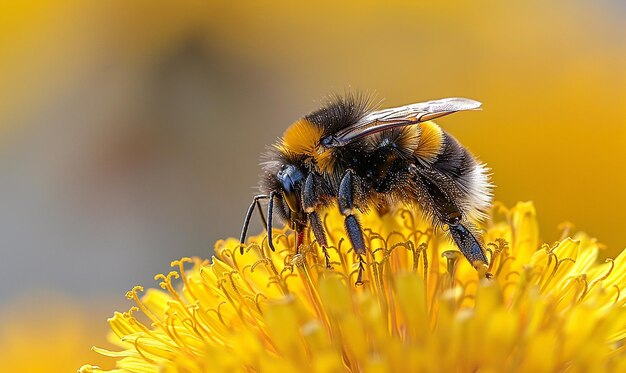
453	159
470	176
442	151
430	142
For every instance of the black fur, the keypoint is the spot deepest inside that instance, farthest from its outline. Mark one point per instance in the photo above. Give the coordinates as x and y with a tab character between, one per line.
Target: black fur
341	112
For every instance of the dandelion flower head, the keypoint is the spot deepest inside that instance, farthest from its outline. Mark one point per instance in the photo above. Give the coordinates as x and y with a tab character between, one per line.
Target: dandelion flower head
550	307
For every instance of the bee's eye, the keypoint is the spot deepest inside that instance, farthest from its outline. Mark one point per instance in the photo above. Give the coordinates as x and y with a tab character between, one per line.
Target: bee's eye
290	195
291	180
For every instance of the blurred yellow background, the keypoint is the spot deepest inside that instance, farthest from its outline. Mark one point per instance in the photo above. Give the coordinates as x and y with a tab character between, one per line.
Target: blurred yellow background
130	131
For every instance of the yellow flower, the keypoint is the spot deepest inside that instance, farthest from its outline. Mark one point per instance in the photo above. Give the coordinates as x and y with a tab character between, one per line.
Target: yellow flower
422	307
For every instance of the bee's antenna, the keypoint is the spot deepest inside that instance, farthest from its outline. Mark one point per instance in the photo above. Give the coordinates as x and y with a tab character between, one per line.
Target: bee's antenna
246	221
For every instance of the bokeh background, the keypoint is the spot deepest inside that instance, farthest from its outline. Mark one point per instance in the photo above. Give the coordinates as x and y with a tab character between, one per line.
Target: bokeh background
130	130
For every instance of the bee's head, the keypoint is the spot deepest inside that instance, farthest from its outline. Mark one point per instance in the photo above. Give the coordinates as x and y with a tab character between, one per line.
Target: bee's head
291	181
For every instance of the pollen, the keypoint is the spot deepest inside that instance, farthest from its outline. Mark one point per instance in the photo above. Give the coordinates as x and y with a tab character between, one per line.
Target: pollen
420	307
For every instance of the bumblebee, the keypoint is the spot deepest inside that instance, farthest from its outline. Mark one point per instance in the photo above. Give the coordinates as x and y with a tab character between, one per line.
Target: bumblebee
349	154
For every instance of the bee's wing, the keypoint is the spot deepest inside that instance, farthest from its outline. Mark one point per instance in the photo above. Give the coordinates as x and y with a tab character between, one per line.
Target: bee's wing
382	120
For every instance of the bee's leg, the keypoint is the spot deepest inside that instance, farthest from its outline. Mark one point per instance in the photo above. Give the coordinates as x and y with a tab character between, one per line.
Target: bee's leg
449	213
269	226
468	244
353	227
260	210
311	200
246	221
320	236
